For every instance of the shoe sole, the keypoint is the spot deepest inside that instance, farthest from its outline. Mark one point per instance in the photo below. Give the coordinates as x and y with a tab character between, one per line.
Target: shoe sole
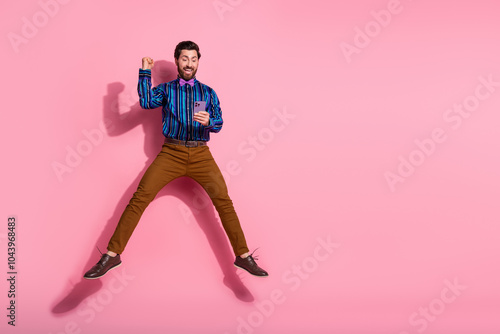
248	271
115	266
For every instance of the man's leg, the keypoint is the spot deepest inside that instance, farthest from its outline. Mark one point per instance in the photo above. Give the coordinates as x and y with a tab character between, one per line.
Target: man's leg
204	170
168	165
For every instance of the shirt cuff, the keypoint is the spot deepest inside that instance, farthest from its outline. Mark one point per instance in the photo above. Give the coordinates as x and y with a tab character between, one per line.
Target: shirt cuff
210	124
144	73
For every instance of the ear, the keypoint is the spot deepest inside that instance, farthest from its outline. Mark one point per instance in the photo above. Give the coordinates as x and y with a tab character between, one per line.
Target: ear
176	62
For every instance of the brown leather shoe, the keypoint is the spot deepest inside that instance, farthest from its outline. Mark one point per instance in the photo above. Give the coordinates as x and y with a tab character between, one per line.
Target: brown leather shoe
105	264
249	265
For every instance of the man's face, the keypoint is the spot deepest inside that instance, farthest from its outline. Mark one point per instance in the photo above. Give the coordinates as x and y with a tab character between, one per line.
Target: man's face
187	64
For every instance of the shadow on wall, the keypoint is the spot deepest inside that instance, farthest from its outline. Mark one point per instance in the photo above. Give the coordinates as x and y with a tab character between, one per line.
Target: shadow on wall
182	188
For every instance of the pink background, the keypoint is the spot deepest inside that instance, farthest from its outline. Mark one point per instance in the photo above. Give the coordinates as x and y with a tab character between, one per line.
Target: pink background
317	175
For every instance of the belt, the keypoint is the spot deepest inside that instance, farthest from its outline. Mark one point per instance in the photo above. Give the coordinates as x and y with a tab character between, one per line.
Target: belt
187	143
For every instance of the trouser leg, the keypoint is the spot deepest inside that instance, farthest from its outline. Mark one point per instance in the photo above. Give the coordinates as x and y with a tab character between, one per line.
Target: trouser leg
168	165
204	170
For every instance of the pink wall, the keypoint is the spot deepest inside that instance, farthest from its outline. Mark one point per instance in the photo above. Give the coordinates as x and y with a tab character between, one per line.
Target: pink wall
365	139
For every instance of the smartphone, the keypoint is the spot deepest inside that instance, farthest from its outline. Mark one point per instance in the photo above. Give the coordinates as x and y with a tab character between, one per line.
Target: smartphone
199	106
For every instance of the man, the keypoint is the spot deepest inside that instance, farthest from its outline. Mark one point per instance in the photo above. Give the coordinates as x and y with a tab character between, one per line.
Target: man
184	153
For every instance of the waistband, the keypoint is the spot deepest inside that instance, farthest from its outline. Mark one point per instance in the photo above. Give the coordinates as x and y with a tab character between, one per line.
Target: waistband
187	143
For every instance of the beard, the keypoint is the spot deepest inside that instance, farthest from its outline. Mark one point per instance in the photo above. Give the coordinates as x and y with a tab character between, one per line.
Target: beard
186	76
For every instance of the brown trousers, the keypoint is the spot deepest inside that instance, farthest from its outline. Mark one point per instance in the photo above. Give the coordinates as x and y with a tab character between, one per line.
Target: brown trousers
172	162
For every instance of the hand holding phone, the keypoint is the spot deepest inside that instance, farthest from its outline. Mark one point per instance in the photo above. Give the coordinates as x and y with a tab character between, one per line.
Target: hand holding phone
200	115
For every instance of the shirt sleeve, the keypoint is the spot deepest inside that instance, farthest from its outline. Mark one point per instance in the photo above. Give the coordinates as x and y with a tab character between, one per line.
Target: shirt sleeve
215	123
149	98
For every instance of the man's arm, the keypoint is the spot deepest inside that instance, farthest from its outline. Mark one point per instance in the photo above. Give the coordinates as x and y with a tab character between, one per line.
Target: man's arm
149	98
212	120
215	122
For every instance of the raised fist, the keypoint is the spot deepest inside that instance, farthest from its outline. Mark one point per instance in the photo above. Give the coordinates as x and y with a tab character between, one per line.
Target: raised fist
147	63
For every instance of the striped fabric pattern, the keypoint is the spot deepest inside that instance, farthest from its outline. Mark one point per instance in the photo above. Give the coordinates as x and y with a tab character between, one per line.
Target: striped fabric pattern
178	105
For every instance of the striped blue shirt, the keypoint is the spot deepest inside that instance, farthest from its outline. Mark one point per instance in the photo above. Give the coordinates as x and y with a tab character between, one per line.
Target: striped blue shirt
177	104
